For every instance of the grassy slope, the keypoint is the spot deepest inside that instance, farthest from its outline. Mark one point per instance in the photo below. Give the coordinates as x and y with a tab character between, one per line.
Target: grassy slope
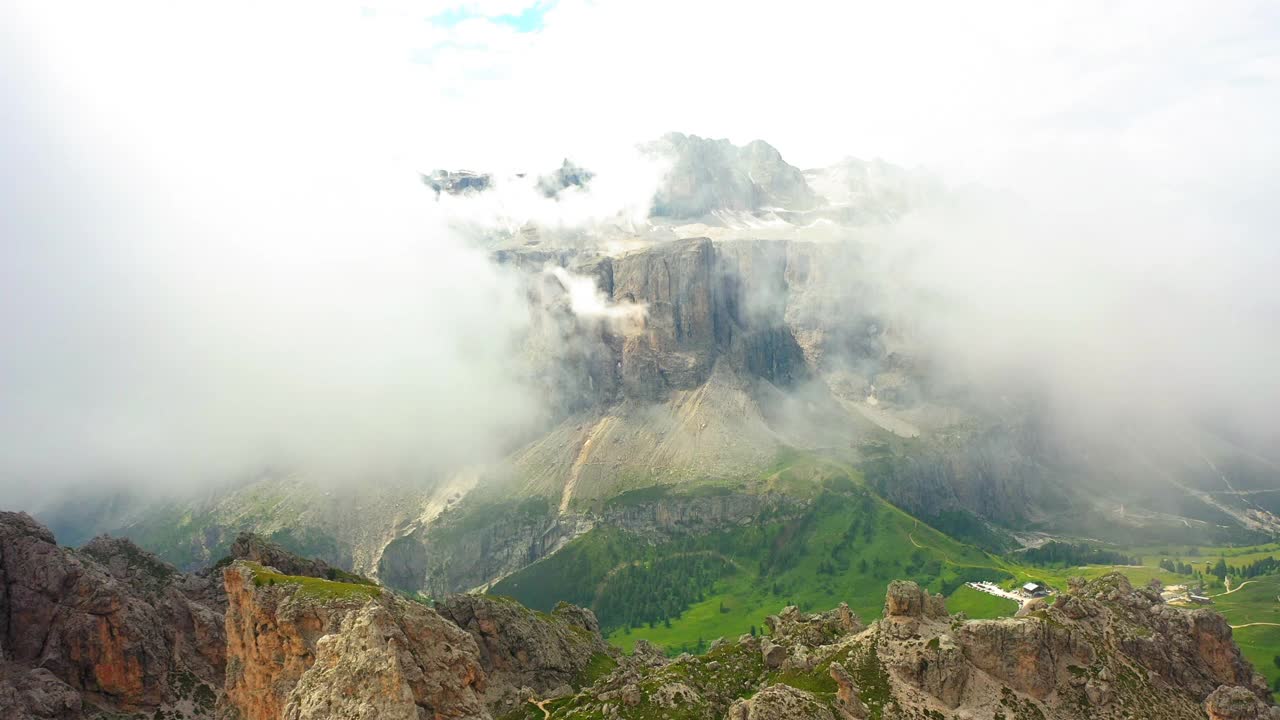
898	546
845	549
315	587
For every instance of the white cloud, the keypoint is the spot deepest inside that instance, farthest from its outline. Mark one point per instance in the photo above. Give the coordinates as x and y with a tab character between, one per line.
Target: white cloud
228	190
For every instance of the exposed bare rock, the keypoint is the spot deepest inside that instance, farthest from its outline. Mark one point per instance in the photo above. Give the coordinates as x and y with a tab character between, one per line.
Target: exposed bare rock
1238	703
255	548
772	653
793	627
519	648
673	695
848	702
307	648
390	659
456	182
710	175
111	620
36	693
919	662
676	283
780	702
646	653
939	667
906	599
1024	654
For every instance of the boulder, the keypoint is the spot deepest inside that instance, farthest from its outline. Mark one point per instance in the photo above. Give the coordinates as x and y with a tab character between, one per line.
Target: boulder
779	702
1238	703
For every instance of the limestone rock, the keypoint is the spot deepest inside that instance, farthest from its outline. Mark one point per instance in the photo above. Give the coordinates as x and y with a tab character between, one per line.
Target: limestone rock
255	548
111	620
390	659
332	650
939	667
779	702
1238	703
520	648
906	599
36	693
1025	654
811	630
673	695
774	654
848	701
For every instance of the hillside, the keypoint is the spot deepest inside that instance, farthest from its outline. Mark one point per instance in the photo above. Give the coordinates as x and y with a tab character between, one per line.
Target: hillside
280	636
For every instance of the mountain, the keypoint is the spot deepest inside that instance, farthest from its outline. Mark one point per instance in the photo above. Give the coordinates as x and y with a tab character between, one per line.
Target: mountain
716	176
111	631
108	626
740	382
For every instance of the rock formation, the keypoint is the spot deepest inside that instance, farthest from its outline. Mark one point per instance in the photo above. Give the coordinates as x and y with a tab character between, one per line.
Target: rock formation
300	647
110	630
108	626
523	651
918	661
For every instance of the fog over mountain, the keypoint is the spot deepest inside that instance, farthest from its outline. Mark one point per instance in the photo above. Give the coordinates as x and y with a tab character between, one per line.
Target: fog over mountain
220	258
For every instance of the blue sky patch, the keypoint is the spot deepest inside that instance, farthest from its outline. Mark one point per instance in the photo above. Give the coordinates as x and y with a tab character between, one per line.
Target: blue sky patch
528	20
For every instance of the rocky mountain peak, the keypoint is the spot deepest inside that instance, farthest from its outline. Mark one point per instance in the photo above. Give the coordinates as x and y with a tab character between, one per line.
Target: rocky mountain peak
708	176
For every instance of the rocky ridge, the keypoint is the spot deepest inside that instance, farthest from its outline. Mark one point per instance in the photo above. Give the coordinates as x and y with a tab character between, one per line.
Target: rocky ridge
106	627
102	631
1104	650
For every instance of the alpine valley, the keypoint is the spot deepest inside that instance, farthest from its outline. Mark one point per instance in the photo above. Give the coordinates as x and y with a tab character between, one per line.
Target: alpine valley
761	484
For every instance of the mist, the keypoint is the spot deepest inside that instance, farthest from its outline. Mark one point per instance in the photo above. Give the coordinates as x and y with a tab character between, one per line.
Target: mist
218	256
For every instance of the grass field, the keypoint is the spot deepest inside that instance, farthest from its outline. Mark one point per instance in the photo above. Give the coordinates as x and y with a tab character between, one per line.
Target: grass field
846	548
979	605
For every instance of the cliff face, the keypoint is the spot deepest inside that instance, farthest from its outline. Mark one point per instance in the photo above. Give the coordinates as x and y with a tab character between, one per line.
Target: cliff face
449	559
108	626
304	648
525	653
703	300
110	630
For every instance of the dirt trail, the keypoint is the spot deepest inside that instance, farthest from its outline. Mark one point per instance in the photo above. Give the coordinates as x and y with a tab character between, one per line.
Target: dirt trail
1268	624
911	536
1246	582
546	714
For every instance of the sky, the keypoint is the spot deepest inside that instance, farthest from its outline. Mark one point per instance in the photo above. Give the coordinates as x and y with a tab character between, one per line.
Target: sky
214	248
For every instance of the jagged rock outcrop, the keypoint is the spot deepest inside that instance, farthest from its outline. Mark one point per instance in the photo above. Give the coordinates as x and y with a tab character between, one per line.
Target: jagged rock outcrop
523	649
1026	656
906	605
779	702
568	175
848	699
255	548
456	182
111	623
918	661
27	693
1238	703
304	648
794	627
390	659
714	175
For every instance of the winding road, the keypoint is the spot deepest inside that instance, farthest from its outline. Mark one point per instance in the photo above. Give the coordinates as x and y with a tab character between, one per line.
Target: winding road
1246	582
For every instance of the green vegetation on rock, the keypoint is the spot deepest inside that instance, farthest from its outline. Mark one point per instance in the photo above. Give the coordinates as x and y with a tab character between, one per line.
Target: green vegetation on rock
311	587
